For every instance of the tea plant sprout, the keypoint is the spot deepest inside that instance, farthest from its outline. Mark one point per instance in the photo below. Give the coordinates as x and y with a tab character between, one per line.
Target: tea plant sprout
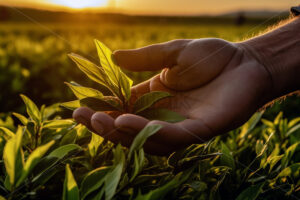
110	75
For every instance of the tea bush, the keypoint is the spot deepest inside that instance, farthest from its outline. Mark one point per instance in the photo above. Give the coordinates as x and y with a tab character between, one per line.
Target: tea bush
46	157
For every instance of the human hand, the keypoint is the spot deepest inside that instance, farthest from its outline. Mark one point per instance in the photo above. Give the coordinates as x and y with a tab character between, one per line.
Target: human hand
216	85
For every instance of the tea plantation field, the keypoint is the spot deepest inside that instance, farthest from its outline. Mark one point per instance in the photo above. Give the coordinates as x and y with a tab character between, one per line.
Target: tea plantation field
44	154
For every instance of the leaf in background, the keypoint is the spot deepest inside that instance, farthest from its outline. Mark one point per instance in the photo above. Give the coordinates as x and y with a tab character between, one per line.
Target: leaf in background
94	144
6	133
149	99
33	160
289	152
292	130
93	181
20	117
138	163
100	104
278	118
71	105
293	122
291	171
268	123
226	159
83	92
115	74
251	193
112	179
55	124
250	124
141	138
32	109
162	115
62	151
273	161
161	191
2	198
13	157
71	191
260	148
69	138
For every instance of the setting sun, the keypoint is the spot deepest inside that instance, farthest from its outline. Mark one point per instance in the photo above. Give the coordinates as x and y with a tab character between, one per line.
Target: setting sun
77	4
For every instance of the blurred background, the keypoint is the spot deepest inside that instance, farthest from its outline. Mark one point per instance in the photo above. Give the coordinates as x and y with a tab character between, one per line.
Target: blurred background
37	35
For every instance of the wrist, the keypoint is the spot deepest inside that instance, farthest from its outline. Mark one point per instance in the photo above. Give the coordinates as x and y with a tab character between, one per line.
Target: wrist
278	52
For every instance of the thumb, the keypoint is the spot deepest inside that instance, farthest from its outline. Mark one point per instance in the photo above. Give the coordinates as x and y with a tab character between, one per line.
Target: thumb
150	58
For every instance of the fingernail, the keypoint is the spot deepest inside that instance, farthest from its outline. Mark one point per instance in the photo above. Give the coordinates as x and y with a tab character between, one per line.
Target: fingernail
98	127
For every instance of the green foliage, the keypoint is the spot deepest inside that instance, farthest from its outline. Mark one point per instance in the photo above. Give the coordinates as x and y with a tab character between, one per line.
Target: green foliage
147	100
71	191
255	161
110	75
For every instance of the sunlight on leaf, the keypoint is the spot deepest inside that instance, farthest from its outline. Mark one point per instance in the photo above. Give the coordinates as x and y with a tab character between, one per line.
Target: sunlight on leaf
32	109
71	191
82	92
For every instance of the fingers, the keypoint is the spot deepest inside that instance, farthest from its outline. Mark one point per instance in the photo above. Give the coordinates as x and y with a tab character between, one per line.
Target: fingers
150	58
83	115
198	64
175	135
104	125
124	129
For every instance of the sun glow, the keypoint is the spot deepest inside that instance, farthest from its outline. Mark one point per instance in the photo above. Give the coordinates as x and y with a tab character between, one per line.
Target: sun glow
79	4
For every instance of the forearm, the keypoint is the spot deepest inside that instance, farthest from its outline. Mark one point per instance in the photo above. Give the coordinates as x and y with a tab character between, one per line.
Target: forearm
279	52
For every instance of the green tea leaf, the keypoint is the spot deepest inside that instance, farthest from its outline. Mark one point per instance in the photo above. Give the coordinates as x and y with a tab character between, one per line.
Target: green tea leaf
115	74
112	179
62	151
55	124
292	130
268	123
226	159
83	92
161	192
71	105
33	160
32	109
104	104
22	118
138	163
149	99
261	148
251	193
162	115
94	72
293	122
94	144
71	191
13	157
289	152
273	161
6	133
69	138
291	171
93	181
141	138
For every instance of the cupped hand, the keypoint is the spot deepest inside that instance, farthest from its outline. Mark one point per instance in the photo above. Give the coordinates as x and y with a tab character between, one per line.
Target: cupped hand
216	85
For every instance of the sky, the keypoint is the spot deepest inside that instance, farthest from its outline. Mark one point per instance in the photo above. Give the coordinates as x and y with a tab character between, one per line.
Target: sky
164	7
